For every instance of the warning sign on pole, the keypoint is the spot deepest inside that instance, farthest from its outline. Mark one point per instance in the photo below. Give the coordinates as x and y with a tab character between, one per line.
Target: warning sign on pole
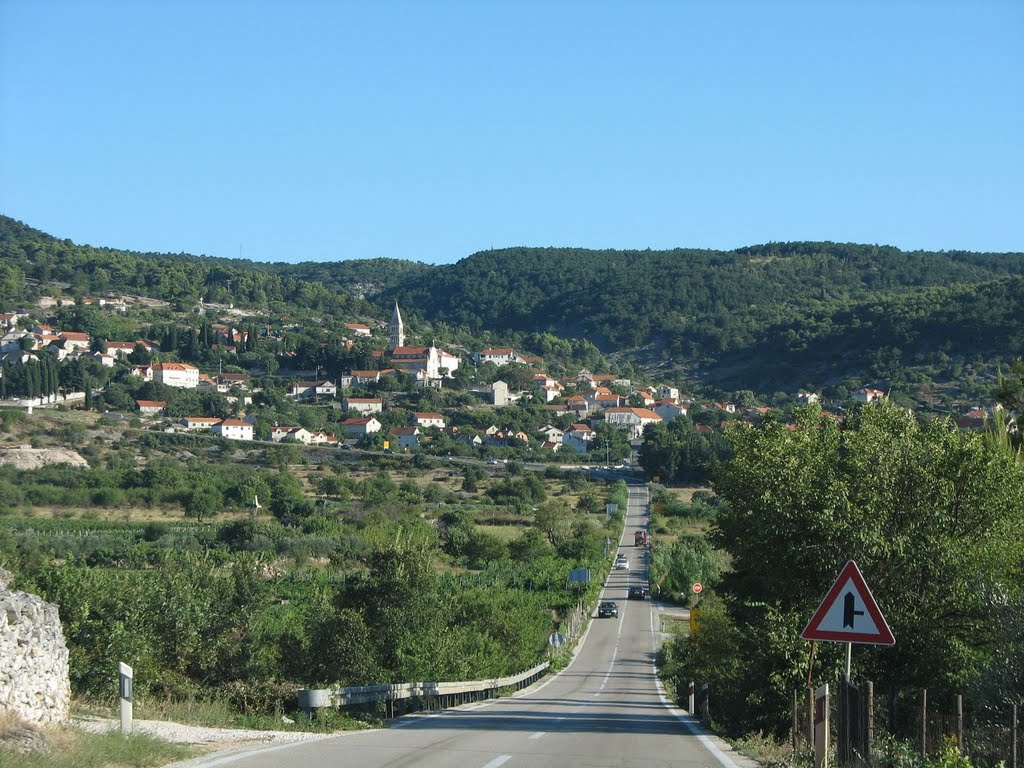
849	613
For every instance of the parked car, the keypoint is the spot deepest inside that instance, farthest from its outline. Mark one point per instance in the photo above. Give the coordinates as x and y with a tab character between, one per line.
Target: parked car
621	563
608	610
637	593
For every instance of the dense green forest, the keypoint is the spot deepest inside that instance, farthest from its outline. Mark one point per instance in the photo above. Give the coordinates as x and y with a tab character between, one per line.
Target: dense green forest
183	278
771	317
778	315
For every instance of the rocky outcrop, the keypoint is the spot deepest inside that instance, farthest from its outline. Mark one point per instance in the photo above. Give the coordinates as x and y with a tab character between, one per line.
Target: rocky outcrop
34	679
26	457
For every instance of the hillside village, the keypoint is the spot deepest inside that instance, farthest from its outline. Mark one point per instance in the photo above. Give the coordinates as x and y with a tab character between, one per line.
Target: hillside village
403	397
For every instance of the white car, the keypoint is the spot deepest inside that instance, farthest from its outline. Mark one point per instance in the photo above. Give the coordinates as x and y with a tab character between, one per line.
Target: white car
621	563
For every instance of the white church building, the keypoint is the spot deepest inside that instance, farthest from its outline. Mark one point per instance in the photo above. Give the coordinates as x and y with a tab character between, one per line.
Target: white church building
430	363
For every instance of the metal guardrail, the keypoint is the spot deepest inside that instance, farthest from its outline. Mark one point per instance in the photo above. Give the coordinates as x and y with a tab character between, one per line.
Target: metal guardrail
412	697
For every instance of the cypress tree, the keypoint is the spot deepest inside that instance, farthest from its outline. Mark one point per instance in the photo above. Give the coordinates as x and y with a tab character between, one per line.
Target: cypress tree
32	379
49	377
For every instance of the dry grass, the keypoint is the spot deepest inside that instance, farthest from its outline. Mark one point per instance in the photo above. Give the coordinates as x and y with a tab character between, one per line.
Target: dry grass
686	494
767	750
675	625
66	747
504	532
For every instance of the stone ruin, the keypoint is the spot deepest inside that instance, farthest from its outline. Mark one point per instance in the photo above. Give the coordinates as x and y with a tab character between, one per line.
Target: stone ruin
34	679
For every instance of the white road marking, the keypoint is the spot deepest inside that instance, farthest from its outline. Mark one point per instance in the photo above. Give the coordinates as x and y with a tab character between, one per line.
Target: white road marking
538	734
217	761
498	761
691	725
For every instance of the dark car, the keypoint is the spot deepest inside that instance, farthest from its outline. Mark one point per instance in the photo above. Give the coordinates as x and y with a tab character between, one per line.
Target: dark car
637	593
608	610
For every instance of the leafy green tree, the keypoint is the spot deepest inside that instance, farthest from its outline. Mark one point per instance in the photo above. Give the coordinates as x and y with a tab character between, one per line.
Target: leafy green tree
205	501
610	443
677	453
687	560
930	515
404	607
553	519
288	502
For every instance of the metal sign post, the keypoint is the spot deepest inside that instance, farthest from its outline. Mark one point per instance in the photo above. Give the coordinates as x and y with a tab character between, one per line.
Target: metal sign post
848	614
124	690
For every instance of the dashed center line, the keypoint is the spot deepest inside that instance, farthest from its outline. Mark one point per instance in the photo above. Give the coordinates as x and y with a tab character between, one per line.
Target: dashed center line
500	760
538	734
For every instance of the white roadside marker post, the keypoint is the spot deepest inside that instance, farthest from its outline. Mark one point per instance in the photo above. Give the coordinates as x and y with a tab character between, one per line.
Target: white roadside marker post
125	694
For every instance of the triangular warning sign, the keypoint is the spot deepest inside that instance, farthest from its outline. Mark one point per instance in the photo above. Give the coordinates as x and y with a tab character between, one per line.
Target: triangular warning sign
849	614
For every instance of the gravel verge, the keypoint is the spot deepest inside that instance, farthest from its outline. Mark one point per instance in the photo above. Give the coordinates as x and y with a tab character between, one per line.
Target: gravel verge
196	734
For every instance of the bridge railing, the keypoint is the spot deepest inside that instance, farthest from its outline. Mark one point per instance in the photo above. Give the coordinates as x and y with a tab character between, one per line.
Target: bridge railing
402	698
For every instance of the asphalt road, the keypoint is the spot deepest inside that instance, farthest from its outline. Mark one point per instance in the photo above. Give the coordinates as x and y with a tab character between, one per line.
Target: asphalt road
605	709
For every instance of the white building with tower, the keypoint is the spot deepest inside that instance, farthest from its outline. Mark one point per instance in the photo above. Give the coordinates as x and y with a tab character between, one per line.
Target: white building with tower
434	362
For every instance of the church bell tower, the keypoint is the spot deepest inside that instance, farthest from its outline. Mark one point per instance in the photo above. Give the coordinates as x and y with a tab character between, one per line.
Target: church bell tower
397	338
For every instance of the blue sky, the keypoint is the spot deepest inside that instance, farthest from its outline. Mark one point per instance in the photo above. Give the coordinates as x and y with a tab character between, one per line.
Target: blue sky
429	130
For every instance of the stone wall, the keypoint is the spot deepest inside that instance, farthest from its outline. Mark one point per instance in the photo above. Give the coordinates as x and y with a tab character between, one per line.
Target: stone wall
34	680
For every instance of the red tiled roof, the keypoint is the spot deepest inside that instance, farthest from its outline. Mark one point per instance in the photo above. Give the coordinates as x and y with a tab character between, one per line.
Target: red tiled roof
643	413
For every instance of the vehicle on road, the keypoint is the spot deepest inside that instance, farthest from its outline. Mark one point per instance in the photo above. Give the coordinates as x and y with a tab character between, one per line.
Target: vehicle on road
608	610
640	539
621	563
637	593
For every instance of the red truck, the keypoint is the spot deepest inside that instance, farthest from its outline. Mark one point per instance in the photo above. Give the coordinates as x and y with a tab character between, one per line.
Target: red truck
640	539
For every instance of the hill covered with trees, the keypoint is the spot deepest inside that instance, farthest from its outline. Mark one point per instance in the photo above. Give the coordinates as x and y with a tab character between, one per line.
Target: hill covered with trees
184	278
781	314
771	317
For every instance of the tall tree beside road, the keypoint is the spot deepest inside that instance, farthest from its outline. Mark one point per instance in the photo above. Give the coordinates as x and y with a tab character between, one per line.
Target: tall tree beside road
931	515
678	454
610	443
